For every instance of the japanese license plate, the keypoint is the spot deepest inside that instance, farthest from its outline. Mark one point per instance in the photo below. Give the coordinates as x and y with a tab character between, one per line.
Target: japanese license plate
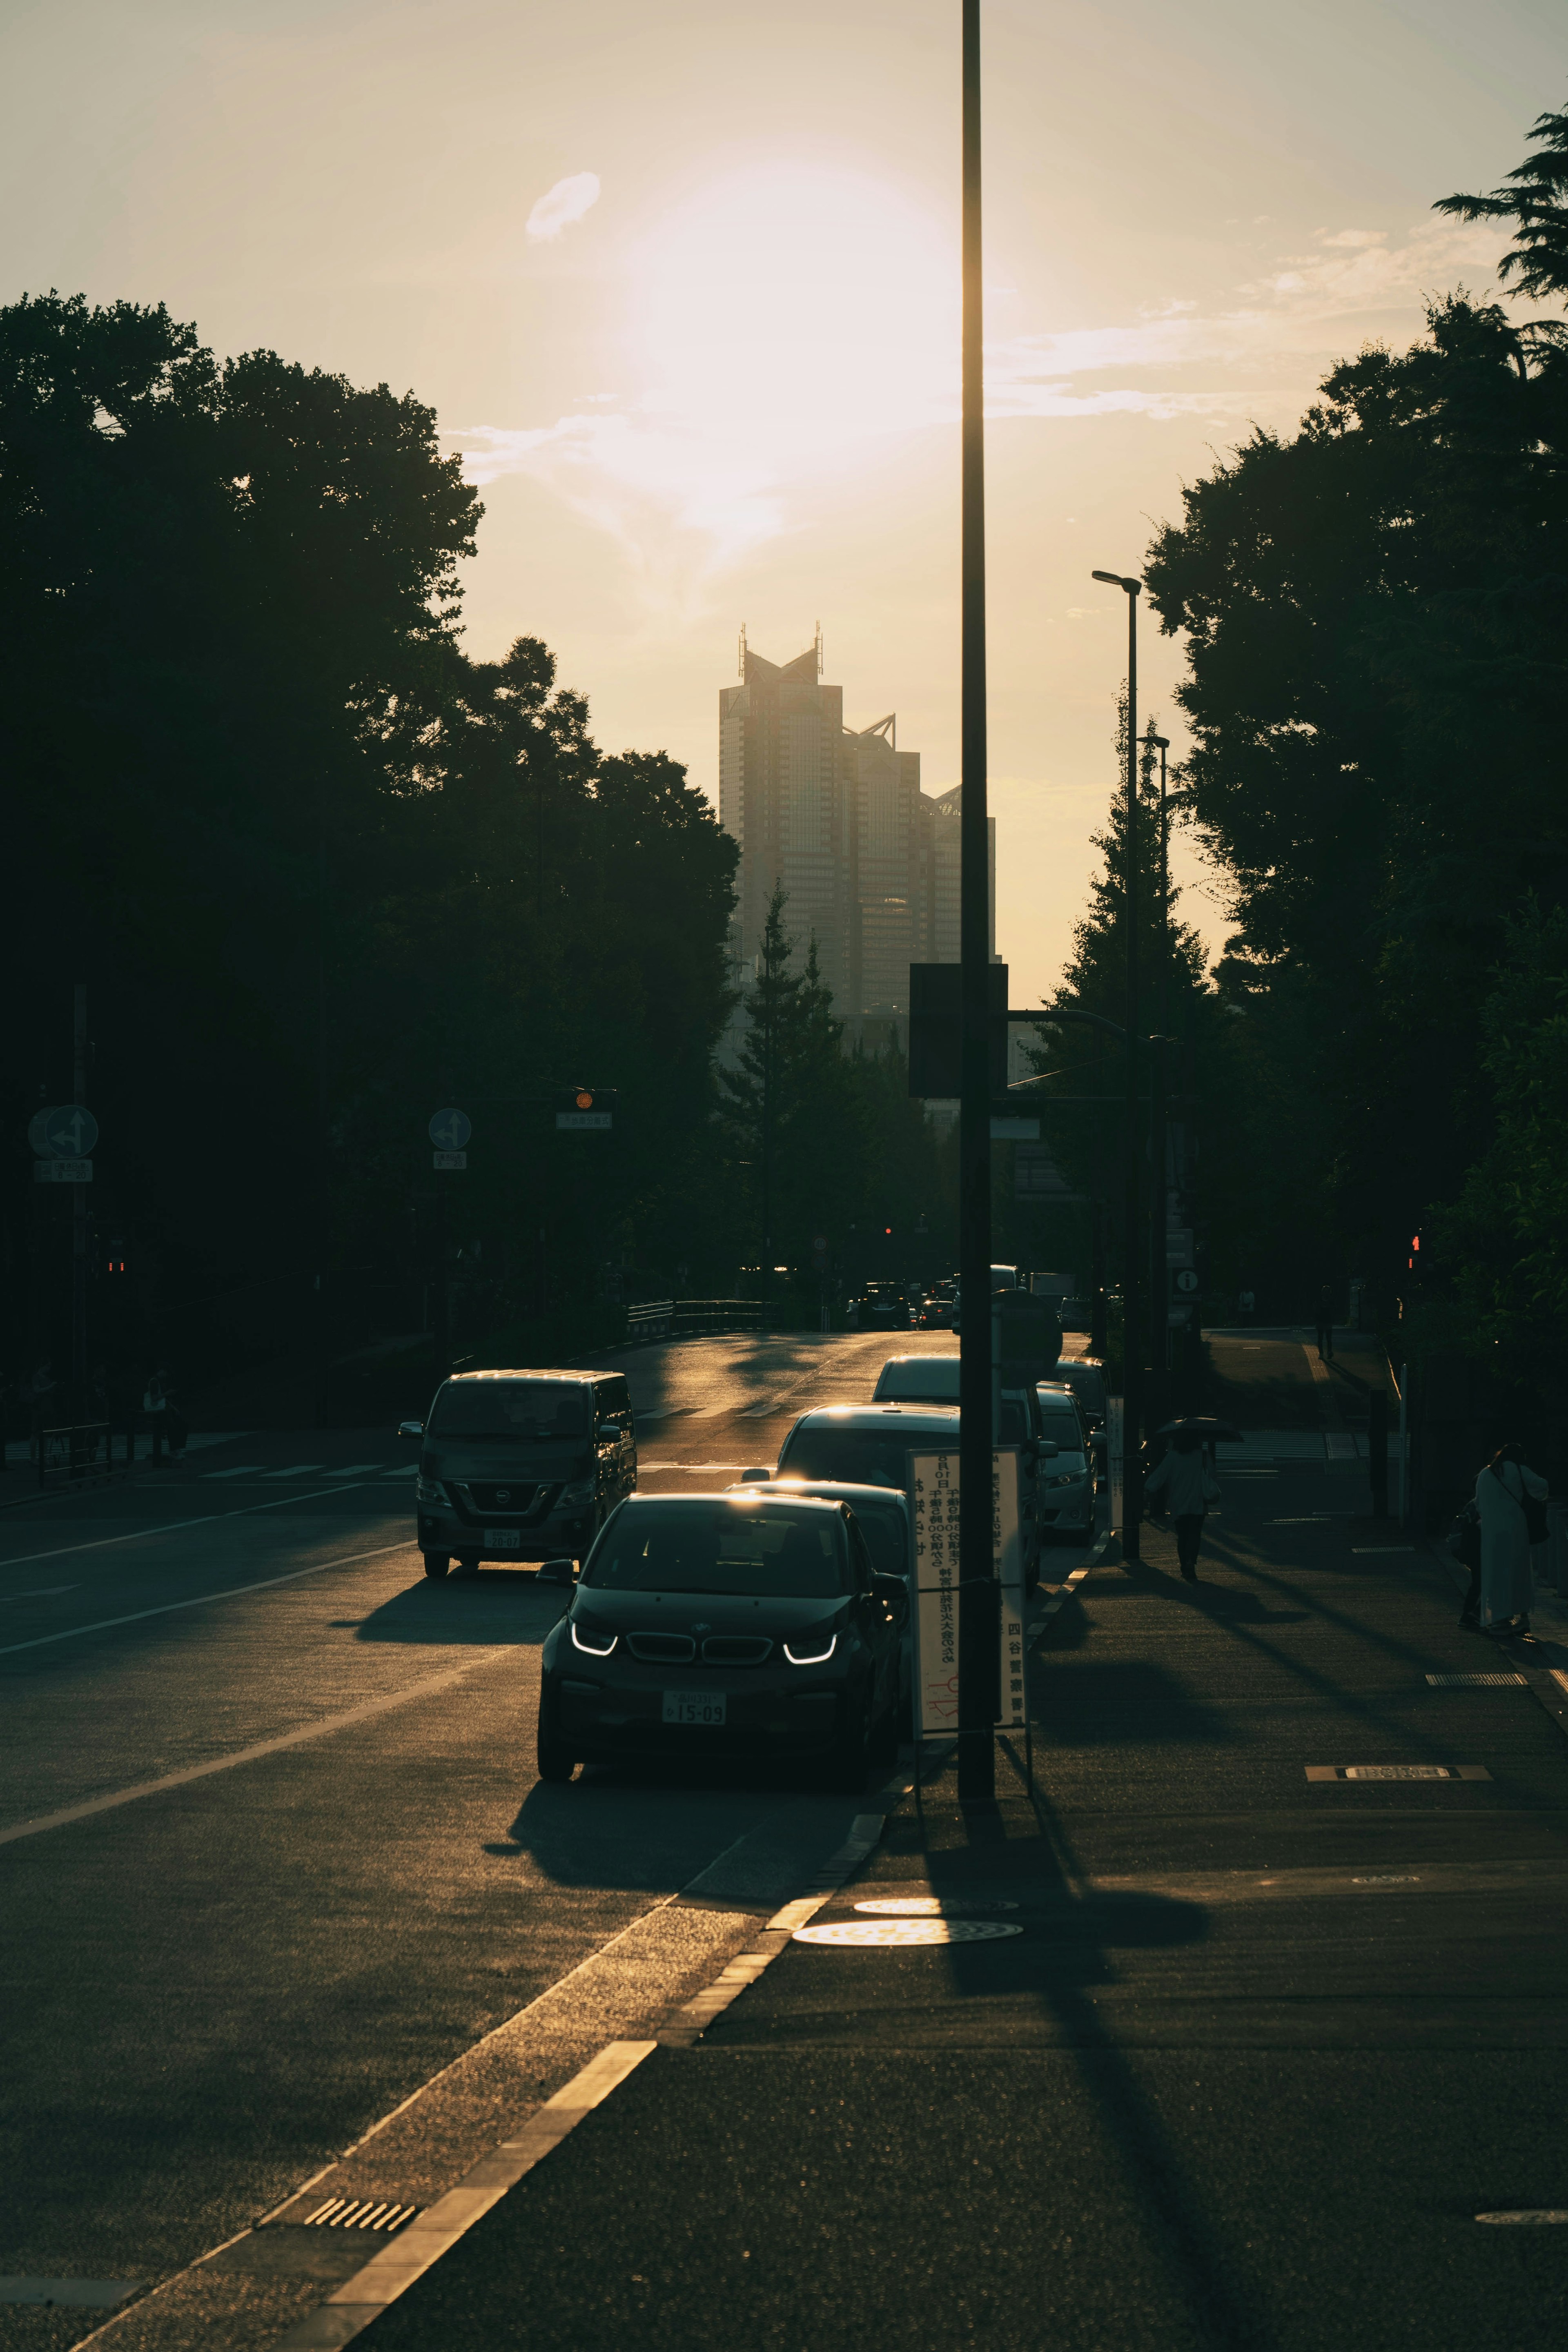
502	1538
694	1706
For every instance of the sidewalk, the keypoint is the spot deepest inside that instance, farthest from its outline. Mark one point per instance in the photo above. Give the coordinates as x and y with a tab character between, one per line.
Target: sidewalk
1266	2005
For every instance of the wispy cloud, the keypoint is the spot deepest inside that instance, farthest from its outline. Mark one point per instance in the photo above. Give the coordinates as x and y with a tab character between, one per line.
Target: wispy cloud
559	206
728	433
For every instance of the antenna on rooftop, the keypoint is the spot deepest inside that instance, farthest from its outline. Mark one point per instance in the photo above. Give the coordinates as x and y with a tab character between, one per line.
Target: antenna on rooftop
819	642
743	652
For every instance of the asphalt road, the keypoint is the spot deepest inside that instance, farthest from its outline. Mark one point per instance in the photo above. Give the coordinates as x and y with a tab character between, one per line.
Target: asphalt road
272	1854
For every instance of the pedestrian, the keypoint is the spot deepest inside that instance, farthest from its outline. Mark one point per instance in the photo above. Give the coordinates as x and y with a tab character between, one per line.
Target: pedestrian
1245	1302
1325	1325
1184	1484
1511	1500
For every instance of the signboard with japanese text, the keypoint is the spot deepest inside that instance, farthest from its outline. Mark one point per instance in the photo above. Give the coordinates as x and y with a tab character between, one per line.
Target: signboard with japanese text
934	1497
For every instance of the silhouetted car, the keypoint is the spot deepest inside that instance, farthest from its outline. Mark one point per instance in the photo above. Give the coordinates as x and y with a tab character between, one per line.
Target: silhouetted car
520	1466
725	1626
882	1307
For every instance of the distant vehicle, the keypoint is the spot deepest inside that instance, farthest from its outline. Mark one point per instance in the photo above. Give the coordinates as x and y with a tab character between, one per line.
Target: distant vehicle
933	1379
520	1466
721	1626
1085	1375
1065	1498
937	1311
882	1307
869	1445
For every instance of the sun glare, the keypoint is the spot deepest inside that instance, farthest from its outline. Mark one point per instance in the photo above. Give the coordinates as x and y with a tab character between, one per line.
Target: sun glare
797	311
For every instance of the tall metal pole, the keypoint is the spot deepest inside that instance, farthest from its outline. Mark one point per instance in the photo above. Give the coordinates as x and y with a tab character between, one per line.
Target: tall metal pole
79	1217
1159	1274
977	1610
1132	1246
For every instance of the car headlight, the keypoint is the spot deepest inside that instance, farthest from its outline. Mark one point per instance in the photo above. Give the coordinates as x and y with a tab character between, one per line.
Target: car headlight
597	1639
811	1649
575	1496
430	1490
1065	1478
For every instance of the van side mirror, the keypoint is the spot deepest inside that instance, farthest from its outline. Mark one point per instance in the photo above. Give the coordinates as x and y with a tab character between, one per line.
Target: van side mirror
747	1477
608	1429
1044	1451
411	1431
555	1571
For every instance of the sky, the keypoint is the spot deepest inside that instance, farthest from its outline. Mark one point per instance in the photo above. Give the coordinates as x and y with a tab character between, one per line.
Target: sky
682	285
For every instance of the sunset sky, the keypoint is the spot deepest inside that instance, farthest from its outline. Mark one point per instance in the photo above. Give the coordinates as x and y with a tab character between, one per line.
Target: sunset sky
682	285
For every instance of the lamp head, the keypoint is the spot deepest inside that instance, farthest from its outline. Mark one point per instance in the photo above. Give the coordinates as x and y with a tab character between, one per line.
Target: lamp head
1115	580
1161	742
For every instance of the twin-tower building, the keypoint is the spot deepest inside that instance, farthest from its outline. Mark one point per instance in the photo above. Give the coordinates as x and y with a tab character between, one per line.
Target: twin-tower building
835	813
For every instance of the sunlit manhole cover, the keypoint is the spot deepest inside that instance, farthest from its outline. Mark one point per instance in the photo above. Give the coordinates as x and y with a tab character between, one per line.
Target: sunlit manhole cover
899	1932
934	1906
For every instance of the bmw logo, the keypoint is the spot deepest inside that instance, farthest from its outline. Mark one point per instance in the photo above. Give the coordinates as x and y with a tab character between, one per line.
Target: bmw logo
503	1494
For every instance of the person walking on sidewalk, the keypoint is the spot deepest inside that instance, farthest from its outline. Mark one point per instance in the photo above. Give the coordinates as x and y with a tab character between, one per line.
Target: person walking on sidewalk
1182	1484
1511	1501
1325	1325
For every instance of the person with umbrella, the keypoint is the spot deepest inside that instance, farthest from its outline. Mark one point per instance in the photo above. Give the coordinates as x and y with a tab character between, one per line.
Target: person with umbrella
1183	1483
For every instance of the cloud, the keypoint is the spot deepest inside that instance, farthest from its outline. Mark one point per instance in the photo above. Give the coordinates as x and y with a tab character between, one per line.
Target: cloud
559	206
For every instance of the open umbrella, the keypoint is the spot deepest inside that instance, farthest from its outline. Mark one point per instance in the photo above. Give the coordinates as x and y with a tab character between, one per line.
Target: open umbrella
1205	1426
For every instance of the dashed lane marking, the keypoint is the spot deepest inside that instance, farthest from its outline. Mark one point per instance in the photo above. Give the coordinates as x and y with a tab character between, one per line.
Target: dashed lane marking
364	1712
1397	1772
199	1600
1531	2215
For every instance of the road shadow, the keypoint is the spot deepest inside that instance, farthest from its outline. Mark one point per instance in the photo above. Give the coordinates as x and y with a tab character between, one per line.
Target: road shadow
498	1605
1117	1700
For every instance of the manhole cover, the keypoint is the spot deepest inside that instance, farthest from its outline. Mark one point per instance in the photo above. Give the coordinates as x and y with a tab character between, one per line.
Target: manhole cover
934	1906
907	1931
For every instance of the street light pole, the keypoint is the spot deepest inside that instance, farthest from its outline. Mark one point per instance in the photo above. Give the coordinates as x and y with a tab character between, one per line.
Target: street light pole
1159	1274
1132	1238
977	1615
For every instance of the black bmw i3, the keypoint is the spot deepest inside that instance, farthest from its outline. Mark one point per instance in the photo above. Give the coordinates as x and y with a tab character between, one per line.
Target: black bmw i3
725	1625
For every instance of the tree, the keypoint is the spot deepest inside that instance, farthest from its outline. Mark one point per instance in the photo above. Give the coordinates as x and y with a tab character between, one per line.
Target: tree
1537	200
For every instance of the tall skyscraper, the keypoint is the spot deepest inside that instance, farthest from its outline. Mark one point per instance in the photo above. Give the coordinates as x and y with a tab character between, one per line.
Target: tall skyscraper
869	863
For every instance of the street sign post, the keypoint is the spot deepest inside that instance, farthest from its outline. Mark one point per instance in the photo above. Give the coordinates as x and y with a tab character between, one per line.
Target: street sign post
934	1484
63	1131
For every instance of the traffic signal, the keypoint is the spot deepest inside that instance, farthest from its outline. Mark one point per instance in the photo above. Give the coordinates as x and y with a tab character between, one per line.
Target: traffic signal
586	1108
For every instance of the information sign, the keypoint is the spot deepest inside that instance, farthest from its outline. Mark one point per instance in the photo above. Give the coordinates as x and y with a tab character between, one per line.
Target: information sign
584	1119
1185	1281
449	1159
62	1171
933	1497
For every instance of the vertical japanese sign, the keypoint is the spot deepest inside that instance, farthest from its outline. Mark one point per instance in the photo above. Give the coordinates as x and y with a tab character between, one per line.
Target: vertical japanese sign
934	1493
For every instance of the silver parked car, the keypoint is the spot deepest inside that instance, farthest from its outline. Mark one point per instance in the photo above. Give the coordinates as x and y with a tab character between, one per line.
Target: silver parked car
1066	1500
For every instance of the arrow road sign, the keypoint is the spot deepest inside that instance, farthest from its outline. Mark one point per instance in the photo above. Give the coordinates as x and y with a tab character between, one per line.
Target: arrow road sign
450	1130
64	1131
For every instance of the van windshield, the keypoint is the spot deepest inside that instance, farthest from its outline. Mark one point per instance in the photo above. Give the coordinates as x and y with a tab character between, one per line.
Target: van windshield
511	1409
721	1547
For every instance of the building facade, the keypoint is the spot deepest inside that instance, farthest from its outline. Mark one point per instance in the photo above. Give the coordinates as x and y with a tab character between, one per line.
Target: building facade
870	863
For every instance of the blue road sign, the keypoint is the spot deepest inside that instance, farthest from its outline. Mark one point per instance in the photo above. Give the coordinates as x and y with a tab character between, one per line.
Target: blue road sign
64	1131
450	1130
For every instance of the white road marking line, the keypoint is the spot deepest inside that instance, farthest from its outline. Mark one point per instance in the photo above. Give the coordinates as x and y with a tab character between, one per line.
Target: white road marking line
1375	1551
43	1593
297	1470
241	1470
168	1526
358	1469
394	2269
102	1625
364	1712
1537	2215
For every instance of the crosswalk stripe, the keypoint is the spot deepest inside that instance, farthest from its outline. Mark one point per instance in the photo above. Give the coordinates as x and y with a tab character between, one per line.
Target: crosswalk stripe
354	1470
297	1470
244	1470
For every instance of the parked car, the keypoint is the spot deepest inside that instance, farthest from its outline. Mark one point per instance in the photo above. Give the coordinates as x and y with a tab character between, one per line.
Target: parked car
933	1379
883	1515
869	1445
735	1626
520	1466
1065	1501
1085	1375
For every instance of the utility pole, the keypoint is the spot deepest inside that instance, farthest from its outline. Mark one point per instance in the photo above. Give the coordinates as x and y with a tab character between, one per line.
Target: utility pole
978	1688
1132	1238
78	1216
1159	1274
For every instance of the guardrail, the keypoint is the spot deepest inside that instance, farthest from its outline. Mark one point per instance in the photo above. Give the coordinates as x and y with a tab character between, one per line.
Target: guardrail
688	1319
71	1458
